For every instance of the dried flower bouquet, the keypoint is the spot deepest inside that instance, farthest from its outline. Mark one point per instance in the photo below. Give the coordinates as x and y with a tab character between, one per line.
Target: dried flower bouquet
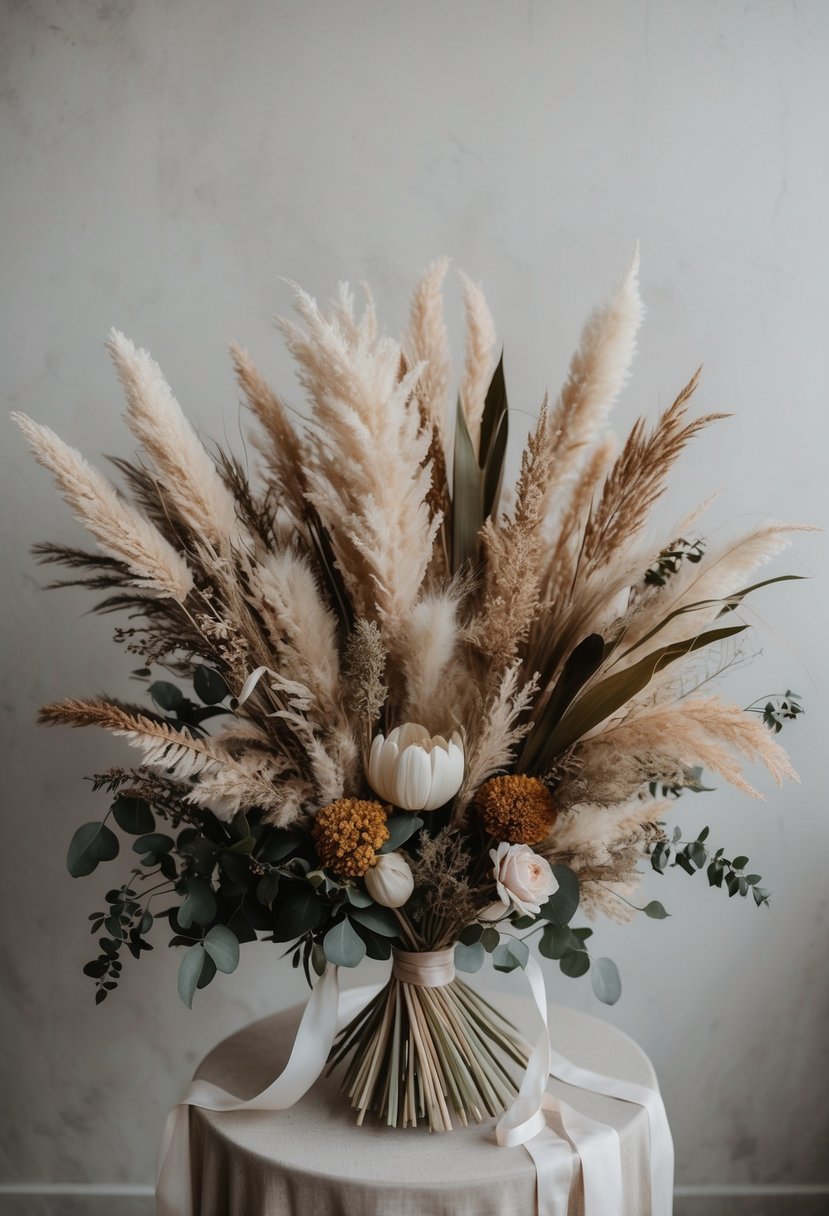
408	714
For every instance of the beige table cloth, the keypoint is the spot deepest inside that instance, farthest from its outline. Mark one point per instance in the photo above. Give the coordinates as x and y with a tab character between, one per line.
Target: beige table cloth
312	1160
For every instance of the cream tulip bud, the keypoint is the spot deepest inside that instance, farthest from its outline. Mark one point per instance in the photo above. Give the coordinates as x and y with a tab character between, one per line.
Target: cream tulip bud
389	881
415	770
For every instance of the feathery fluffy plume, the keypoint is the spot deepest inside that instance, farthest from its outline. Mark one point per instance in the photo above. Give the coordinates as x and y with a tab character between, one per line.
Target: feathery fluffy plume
300	626
119	530
368	474
719	574
638	476
694	731
480	346
363	673
175	752
190	479
493	738
431	642
426	342
598	372
283	450
513	558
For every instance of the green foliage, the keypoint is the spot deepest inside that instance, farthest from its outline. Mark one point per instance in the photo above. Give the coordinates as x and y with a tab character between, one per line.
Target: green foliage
670	560
695	855
469	957
778	709
343	945
91	844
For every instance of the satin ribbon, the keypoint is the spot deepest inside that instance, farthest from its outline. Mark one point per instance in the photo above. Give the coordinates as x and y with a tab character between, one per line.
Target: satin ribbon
549	1129
424	968
596	1144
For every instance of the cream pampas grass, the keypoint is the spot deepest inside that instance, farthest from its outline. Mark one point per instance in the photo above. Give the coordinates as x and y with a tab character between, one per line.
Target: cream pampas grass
479	361
119	530
191	482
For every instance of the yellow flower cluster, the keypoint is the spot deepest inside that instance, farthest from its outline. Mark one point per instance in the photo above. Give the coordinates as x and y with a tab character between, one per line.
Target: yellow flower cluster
347	834
516	808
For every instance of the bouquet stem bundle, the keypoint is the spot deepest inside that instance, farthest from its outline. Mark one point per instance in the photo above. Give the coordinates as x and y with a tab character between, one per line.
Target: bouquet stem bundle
417	1054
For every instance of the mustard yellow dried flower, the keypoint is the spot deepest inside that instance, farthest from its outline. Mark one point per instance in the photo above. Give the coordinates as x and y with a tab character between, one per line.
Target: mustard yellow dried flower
516	808
347	834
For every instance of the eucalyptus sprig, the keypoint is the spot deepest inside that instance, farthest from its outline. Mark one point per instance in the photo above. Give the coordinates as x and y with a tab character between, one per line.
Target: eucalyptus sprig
694	855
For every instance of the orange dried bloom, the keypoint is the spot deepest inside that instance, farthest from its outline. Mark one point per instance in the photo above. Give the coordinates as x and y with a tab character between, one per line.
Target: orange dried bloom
516	808
347	834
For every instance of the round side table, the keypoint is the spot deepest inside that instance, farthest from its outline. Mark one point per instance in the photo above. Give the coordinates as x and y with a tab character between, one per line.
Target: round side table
312	1160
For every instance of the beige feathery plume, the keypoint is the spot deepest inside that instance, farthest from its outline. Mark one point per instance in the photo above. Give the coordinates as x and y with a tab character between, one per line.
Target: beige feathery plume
492	740
480	345
177	753
431	642
598	372
190	479
119	529
425	341
720	573
696	731
367	468
284	450
638	478
301	628
513	549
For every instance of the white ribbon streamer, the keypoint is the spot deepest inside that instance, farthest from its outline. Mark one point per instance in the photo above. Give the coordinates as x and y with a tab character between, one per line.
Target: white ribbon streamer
525	1123
596	1144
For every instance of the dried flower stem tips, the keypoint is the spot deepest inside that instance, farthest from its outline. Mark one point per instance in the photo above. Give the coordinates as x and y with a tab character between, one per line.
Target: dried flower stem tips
415	770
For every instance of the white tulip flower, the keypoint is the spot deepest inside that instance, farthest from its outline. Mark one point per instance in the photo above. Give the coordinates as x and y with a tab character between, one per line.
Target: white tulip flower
389	881
415	770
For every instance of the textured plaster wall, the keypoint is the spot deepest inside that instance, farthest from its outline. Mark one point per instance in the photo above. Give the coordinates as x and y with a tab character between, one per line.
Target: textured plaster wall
162	165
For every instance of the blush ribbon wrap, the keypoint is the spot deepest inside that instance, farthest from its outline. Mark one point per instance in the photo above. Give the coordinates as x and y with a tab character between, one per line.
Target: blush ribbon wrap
549	1129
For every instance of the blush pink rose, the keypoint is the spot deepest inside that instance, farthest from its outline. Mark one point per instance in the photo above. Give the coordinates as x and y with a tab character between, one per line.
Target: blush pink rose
524	880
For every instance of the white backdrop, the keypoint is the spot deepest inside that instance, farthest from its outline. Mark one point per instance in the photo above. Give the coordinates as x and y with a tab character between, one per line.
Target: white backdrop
163	164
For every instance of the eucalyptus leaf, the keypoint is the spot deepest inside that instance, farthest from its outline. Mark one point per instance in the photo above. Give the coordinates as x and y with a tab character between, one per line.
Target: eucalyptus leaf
299	910
153	842
133	815
378	919
510	954
401	827
561	907
222	945
166	696
92	843
209	685
343	945
575	963
655	910
469	958
607	984
189	973
199	906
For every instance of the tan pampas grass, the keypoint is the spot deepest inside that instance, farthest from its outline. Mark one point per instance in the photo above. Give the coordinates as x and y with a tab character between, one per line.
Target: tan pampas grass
301	627
720	573
283	449
638	477
697	731
513	549
119	530
190	479
368	473
176	753
426	342
432	639
479	361
598	372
